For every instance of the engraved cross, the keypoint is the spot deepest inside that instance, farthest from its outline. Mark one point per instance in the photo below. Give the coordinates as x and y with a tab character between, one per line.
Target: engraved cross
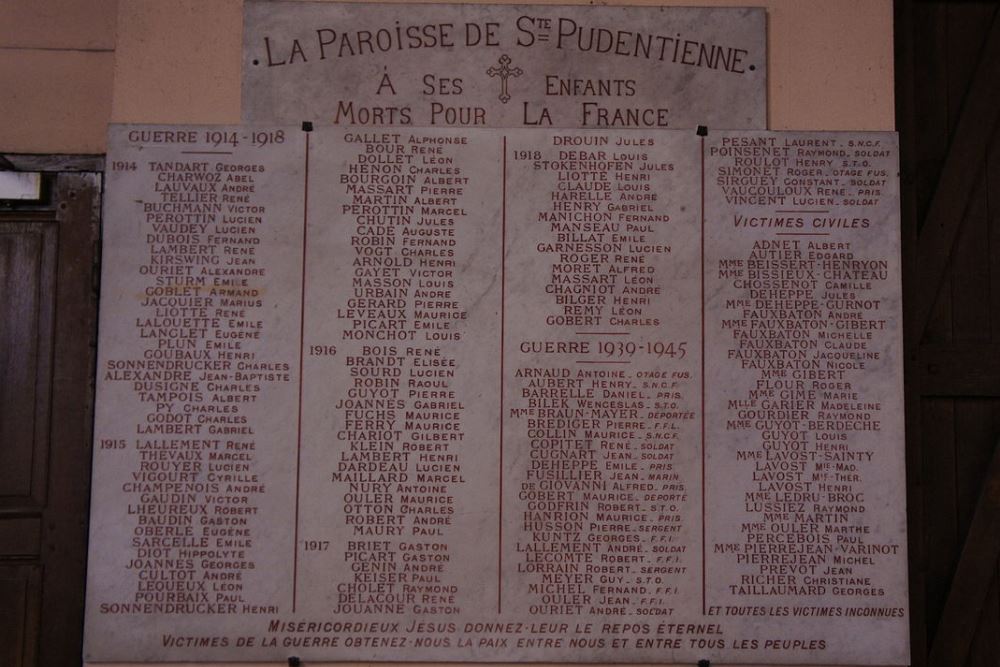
504	71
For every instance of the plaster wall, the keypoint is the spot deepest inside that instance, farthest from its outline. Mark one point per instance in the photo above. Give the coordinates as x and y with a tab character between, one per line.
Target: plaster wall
68	67
56	74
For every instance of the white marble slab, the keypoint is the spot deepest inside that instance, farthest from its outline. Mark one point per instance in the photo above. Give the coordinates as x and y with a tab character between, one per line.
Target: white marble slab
804	369
191	530
514	396
461	65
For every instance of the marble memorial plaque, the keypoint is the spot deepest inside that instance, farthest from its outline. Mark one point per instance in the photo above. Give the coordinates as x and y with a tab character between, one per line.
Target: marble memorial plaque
504	65
191	525
804	470
487	395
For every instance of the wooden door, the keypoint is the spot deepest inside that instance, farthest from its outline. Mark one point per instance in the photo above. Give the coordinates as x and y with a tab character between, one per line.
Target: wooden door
48	310
948	108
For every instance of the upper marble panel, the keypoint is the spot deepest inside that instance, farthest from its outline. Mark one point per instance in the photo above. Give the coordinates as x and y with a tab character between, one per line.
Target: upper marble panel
504	65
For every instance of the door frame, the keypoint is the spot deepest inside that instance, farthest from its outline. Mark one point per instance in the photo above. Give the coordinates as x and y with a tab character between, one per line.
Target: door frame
55	563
